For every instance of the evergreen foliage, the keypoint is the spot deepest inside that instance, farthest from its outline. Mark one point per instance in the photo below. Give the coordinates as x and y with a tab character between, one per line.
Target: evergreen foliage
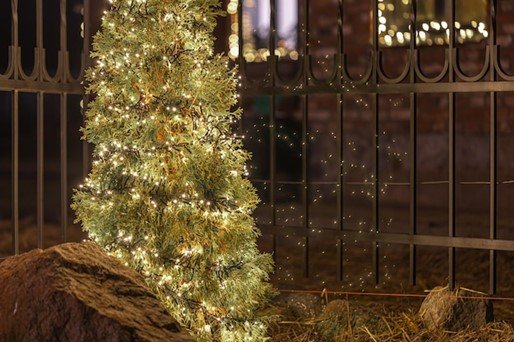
168	193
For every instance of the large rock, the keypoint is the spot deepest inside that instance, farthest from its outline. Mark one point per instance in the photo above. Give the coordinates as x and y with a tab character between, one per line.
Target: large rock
300	306
340	316
454	310
75	292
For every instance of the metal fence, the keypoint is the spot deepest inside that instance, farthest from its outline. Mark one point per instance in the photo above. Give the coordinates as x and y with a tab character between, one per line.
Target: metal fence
40	78
65	81
492	79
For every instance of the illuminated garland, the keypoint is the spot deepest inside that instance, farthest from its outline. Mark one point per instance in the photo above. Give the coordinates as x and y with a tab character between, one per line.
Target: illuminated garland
168	193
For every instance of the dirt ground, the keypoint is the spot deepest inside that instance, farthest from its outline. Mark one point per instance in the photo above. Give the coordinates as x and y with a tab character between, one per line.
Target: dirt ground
472	265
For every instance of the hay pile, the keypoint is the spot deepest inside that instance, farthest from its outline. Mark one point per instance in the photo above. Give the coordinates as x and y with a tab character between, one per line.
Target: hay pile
403	327
342	320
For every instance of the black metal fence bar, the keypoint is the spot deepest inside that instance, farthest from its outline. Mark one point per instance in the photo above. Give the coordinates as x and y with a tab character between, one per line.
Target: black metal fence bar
451	150
413	151
340	149
25	86
40	207
64	166
346	183
400	88
40	131
272	137
493	153
86	152
375	104
305	142
393	238
15	195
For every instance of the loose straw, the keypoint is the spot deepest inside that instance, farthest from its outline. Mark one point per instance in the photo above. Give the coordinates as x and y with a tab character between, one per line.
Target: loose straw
390	295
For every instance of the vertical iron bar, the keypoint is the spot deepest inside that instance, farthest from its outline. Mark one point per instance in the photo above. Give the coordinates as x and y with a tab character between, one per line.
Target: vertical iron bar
240	33
64	166
64	41
271	71
451	149
413	184
305	141
493	154
15	37
40	131
340	145
375	144
64	127
340	259
39	37
272	117
15	205
274	249
15	173
87	32
413	148
86	98
40	169
15	134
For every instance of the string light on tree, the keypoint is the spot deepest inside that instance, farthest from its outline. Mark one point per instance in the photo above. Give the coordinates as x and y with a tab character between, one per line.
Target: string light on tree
167	194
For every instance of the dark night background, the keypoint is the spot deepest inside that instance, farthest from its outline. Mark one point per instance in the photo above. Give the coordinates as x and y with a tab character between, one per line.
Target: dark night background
28	120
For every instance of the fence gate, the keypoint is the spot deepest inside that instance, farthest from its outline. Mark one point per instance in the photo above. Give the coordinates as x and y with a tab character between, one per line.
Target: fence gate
380	139
44	50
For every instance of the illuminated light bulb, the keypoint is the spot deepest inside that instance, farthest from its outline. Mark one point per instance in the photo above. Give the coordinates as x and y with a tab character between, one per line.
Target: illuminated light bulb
137	102
388	40
400	38
435	25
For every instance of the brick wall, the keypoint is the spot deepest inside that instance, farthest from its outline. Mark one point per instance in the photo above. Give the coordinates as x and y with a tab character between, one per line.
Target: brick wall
472	109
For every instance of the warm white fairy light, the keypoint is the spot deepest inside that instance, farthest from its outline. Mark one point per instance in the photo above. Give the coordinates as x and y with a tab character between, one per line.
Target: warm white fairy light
250	52
430	32
167	194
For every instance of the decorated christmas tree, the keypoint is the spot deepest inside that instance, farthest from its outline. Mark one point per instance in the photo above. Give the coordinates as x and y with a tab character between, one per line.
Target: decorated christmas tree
168	193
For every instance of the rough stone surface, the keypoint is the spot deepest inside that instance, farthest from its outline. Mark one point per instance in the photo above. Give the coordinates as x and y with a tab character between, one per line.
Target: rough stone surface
75	292
298	306
454	311
340	316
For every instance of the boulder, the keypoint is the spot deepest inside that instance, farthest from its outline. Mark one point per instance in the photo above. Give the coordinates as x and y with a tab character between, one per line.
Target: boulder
300	306
340	316
75	292
455	310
